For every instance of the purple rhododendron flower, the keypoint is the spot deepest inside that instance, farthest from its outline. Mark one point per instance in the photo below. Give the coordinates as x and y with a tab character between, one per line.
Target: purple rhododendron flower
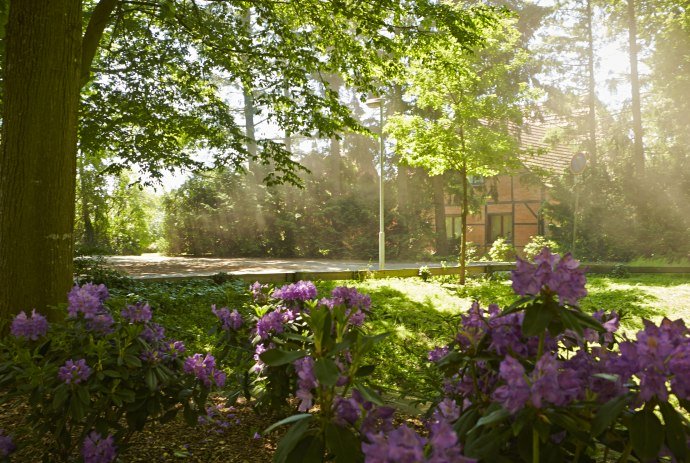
31	328
204	368
229	320
153	333
258	293
300	291
401	445
87	299
74	372
138	313
550	272
438	353
347	411
6	445
96	449
101	323
272	322
259	365
515	394
306	382
172	349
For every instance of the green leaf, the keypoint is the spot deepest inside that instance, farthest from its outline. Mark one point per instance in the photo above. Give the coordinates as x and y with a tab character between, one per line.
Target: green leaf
369	394
607	414
343	444
569	321
675	432
308	450
365	370
60	397
112	373
466	422
326	371
151	380
494	417
537	318
277	357
587	321
646	434
291	438
288	420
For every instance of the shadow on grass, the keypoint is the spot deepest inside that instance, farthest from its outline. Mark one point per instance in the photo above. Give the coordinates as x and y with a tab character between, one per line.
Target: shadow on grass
633	304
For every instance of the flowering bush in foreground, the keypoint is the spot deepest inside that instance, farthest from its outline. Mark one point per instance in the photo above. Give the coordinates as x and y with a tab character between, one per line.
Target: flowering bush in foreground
542	381
93	380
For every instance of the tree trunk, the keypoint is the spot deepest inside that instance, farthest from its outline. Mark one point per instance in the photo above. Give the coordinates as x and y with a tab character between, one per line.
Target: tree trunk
638	147
463	219
39	147
89	238
592	96
439	215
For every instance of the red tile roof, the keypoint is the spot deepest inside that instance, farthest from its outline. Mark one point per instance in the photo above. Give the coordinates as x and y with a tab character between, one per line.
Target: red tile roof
541	154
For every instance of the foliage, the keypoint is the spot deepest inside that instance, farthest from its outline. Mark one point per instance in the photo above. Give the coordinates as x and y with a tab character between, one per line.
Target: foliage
97	271
536	244
94	374
210	215
501	251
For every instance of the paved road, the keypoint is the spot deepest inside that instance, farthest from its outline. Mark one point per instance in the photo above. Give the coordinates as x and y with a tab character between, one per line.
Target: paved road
156	265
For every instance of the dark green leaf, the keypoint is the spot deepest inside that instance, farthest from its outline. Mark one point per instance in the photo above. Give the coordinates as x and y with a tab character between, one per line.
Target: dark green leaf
494	417
537	318
290	440
326	372
60	397
308	450
365	370
676	434
369	394
646	434
277	357
587	321
151	380
343	444
288	420
607	414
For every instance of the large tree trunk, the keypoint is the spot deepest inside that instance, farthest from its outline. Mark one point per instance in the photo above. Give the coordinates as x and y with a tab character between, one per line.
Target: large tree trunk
39	147
439	215
638	147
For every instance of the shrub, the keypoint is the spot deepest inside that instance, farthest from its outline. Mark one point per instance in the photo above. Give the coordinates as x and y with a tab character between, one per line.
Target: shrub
542	381
501	251
536	244
93	381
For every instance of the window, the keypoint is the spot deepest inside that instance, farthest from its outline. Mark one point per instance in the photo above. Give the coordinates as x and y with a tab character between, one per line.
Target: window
500	226
453	226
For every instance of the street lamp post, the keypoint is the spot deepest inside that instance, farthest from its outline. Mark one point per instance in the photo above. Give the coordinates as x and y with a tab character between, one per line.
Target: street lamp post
378	103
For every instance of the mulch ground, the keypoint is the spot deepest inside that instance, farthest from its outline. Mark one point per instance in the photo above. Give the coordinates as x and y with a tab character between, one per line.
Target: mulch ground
234	441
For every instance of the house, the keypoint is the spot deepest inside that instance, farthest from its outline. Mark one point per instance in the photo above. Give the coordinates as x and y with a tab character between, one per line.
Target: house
513	203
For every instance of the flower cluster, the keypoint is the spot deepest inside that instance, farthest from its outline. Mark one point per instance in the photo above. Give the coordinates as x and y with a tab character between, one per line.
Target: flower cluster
551	382
204	368
74	372
306	382
258	292
300	291
271	323
229	320
31	328
660	354
152	333
138	313
87	299
6	445
97	449
551	273
356	302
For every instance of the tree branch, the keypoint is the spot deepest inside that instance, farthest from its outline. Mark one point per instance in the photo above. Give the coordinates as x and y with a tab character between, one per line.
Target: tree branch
94	31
